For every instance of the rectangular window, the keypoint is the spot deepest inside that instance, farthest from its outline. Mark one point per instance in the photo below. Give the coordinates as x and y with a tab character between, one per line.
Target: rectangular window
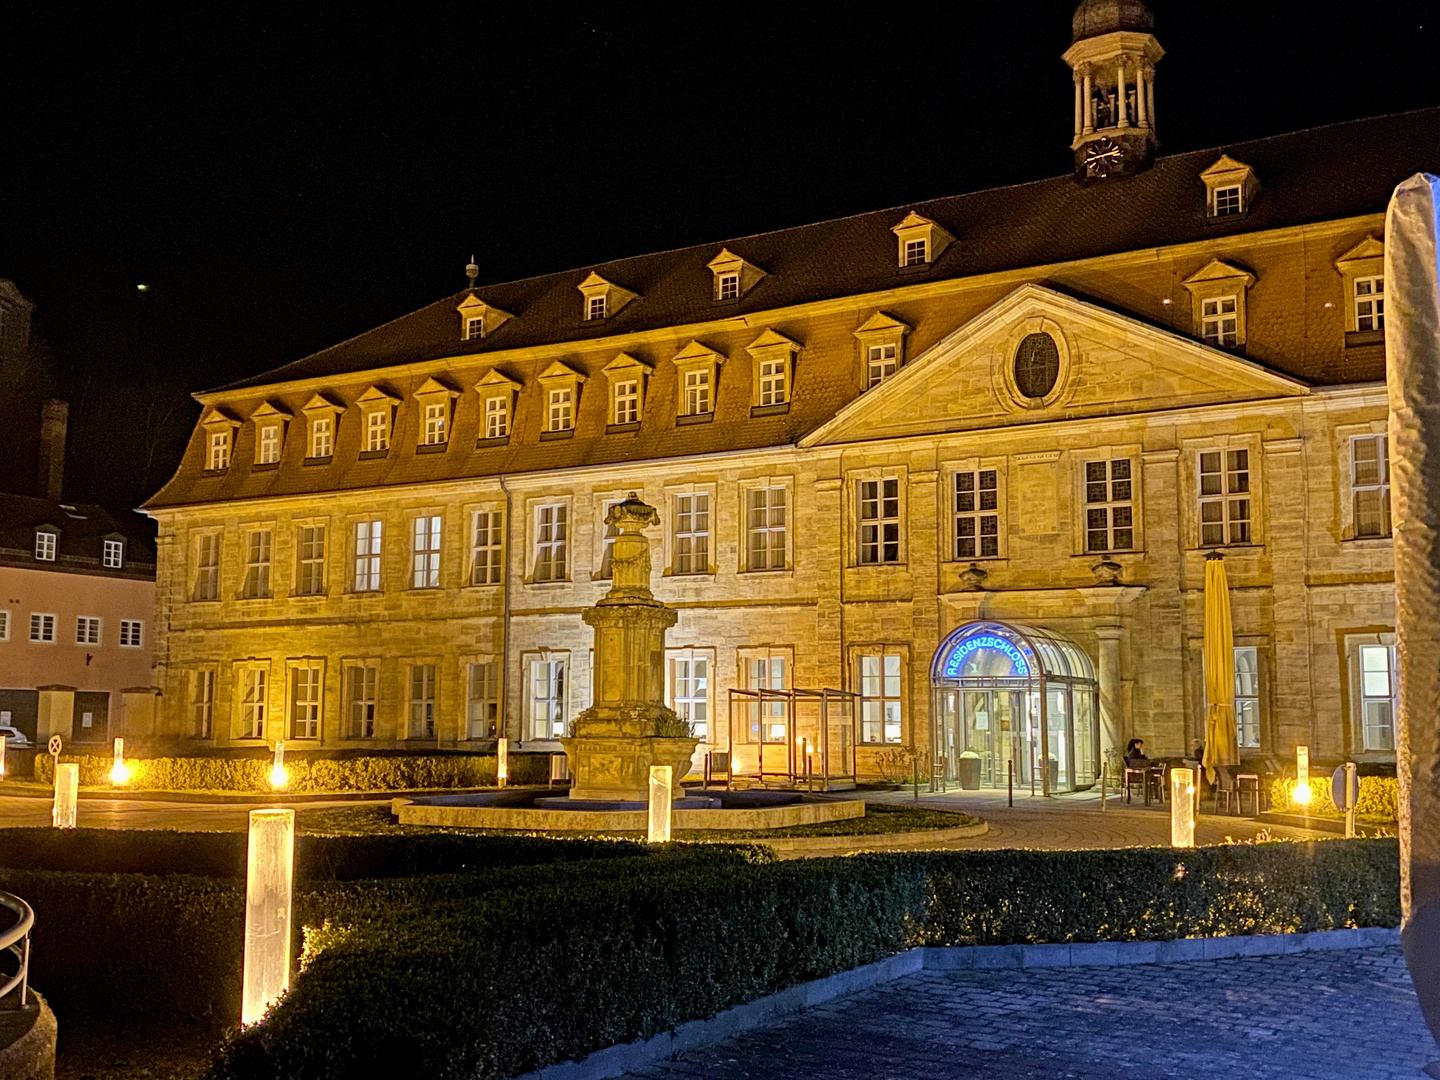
487	549
1247	696
322	437
113	556
1109	506
426	560
202	703
767	716
690	693
435	416
977	514
880	698
497	418
474	329
1370	484
483	709
305	703
132	633
879	516
368	535
269	444
727	287
252	703
87	630
627	401
219	451
257	565
1370	303
774	382
765	512
697	392
377	430
311	578
1224	497
361	687
1227	200
1220	322
45	545
4	625
551	563
1377	696
595	307
42	628
607	542
880	363
561	414
692	534
422	701
917	252
547	698
207	567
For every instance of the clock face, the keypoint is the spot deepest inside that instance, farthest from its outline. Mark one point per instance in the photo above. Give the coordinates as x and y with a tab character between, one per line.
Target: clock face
1103	157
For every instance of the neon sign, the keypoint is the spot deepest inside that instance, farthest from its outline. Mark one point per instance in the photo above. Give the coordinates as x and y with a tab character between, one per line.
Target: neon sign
985	641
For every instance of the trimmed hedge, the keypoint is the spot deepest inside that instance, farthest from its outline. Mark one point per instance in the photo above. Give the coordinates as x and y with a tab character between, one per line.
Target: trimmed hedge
1379	797
380	773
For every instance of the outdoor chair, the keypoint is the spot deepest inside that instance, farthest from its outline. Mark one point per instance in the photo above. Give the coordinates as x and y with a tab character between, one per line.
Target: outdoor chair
1248	784
717	768
1137	777
1226	795
1159	773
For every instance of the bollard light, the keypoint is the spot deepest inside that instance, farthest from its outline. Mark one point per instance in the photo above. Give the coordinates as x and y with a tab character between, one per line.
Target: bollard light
660	808
3	740
1182	808
269	878
1302	775
119	772
67	787
279	775
502	761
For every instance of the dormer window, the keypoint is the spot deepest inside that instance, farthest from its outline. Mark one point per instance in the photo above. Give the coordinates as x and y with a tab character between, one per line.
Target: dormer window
560	415
1217	294
696	368
627	401
377	431
45	545
479	319
377	415
627	389
727	287
562	394
774	382
881	364
474	329
734	277
882	347
1369	303
435	426
697	393
917	252
1227	200
322	437
774	355
603	298
269	446
497	398
497	418
112	555
270	422
218	457
595	307
921	240
1230	187
1219	322
219	428
436	402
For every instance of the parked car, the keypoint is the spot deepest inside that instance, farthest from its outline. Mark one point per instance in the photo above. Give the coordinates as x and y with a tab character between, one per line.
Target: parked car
13	736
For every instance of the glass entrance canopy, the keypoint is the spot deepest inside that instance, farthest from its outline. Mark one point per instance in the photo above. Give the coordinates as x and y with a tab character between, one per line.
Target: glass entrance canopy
1015	704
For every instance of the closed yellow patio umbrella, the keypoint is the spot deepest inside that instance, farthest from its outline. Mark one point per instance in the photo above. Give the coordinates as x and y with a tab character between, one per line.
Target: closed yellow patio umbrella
1221	743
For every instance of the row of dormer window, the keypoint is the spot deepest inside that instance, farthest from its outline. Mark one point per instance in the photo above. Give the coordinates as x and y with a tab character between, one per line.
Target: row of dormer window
47	548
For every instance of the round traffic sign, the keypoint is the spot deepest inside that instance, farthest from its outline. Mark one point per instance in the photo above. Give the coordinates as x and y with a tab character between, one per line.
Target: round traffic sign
55	745
1342	795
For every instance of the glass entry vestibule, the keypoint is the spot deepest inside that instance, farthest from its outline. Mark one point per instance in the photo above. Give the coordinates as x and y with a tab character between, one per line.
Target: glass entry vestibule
1022	700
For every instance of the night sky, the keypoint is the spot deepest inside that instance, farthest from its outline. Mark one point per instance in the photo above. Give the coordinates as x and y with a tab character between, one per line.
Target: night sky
284	180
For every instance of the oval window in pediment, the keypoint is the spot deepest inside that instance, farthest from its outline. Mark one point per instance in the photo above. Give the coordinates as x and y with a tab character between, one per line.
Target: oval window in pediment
1037	365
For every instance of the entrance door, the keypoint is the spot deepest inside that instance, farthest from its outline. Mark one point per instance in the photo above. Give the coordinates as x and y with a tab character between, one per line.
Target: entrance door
92	717
1057	728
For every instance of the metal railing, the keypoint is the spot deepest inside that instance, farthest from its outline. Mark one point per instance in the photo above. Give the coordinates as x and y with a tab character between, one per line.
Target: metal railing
16	942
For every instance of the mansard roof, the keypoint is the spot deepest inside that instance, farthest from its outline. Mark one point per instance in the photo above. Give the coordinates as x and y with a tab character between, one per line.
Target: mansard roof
1339	171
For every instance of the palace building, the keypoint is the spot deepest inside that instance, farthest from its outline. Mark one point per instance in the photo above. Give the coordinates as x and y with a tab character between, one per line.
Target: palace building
960	463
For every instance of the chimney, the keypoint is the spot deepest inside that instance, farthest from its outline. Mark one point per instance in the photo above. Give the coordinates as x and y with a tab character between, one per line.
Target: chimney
54	421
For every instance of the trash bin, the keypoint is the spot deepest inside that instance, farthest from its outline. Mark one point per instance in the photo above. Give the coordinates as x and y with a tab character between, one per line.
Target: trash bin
967	768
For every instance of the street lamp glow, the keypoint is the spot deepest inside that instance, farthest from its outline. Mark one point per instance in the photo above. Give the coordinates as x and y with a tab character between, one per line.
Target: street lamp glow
119	772
1302	775
279	775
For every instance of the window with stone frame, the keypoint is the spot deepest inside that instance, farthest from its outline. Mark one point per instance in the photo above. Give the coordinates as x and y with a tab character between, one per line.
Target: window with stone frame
1377	697
1220	321
1109	506
595	307
766	513
257	565
917	252
368	538
497	417
269	452
377	431
322	437
697	392
474	329
546	690
305	702
626	402
362	682
483	705
881	362
690	691
436	427
1370	484
727	287
202	703
422	701
1247	696
765	669
253	702
774	381
487	547
551	542
1369	303
1228	200
1225	506
310	551
207	567
977	514
561	413
692	534
880	682
878	516
425	554
219	452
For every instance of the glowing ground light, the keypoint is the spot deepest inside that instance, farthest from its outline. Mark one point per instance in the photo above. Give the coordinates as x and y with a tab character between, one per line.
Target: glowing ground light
269	880
958	655
1302	775
119	771
1182	808
279	775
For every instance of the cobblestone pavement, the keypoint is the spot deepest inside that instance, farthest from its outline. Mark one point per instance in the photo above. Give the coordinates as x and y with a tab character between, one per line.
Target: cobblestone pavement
1307	1016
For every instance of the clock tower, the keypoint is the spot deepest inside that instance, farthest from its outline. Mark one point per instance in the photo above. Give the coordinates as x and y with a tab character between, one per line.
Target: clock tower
1113	58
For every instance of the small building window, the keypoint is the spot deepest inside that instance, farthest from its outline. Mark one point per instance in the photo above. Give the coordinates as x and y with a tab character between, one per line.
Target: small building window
1228	200
361	688
368	535
977	514
551	548
113	555
880	697
322	437
219	451
435	422
422	701
252	703
45	545
1369	303
561	416
595	307
1109	506
1220	322
690	693
881	362
1037	366
697	392
202	703
879	517
766	670
4	625
42	628
1224	497
497	417
727	287
377	430
765	525
207	567
426	556
269	444
474	329
1247	696
257	565
1377	696
547	698
692	534
311	578
917	252
487	547
305	703
607	542
132	633
774	381
627	401
87	630
483	707
1370	484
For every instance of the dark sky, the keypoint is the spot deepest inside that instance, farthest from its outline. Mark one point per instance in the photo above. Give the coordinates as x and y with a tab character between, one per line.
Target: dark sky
283	180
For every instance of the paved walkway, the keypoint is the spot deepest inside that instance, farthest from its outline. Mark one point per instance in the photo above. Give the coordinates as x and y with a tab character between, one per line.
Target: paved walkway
1308	1016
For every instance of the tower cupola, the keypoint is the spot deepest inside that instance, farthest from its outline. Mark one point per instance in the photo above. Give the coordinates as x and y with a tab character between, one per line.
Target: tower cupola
1113	59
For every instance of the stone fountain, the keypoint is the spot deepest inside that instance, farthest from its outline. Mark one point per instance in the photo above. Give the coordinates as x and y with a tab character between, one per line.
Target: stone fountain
628	728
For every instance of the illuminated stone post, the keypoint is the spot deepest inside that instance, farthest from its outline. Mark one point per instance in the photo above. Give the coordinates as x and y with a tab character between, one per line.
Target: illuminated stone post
502	761
3	740
1182	808
67	787
279	775
661	781
119	771
1302	775
269	877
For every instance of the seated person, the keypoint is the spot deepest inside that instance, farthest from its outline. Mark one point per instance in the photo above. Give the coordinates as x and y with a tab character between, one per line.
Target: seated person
1135	754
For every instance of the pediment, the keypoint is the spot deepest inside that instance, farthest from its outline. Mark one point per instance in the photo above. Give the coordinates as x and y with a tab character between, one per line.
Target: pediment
626	365
771	339
561	372
1219	270
1109	364
1369	248
375	398
697	352
269	410
494	378
320	404
216	416
434	387
880	323
1226	168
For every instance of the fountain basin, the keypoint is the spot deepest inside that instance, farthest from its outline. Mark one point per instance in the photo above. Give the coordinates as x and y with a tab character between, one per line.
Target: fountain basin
535	811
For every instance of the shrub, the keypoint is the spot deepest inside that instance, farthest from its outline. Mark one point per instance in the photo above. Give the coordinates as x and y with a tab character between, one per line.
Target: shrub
1379	797
377	773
